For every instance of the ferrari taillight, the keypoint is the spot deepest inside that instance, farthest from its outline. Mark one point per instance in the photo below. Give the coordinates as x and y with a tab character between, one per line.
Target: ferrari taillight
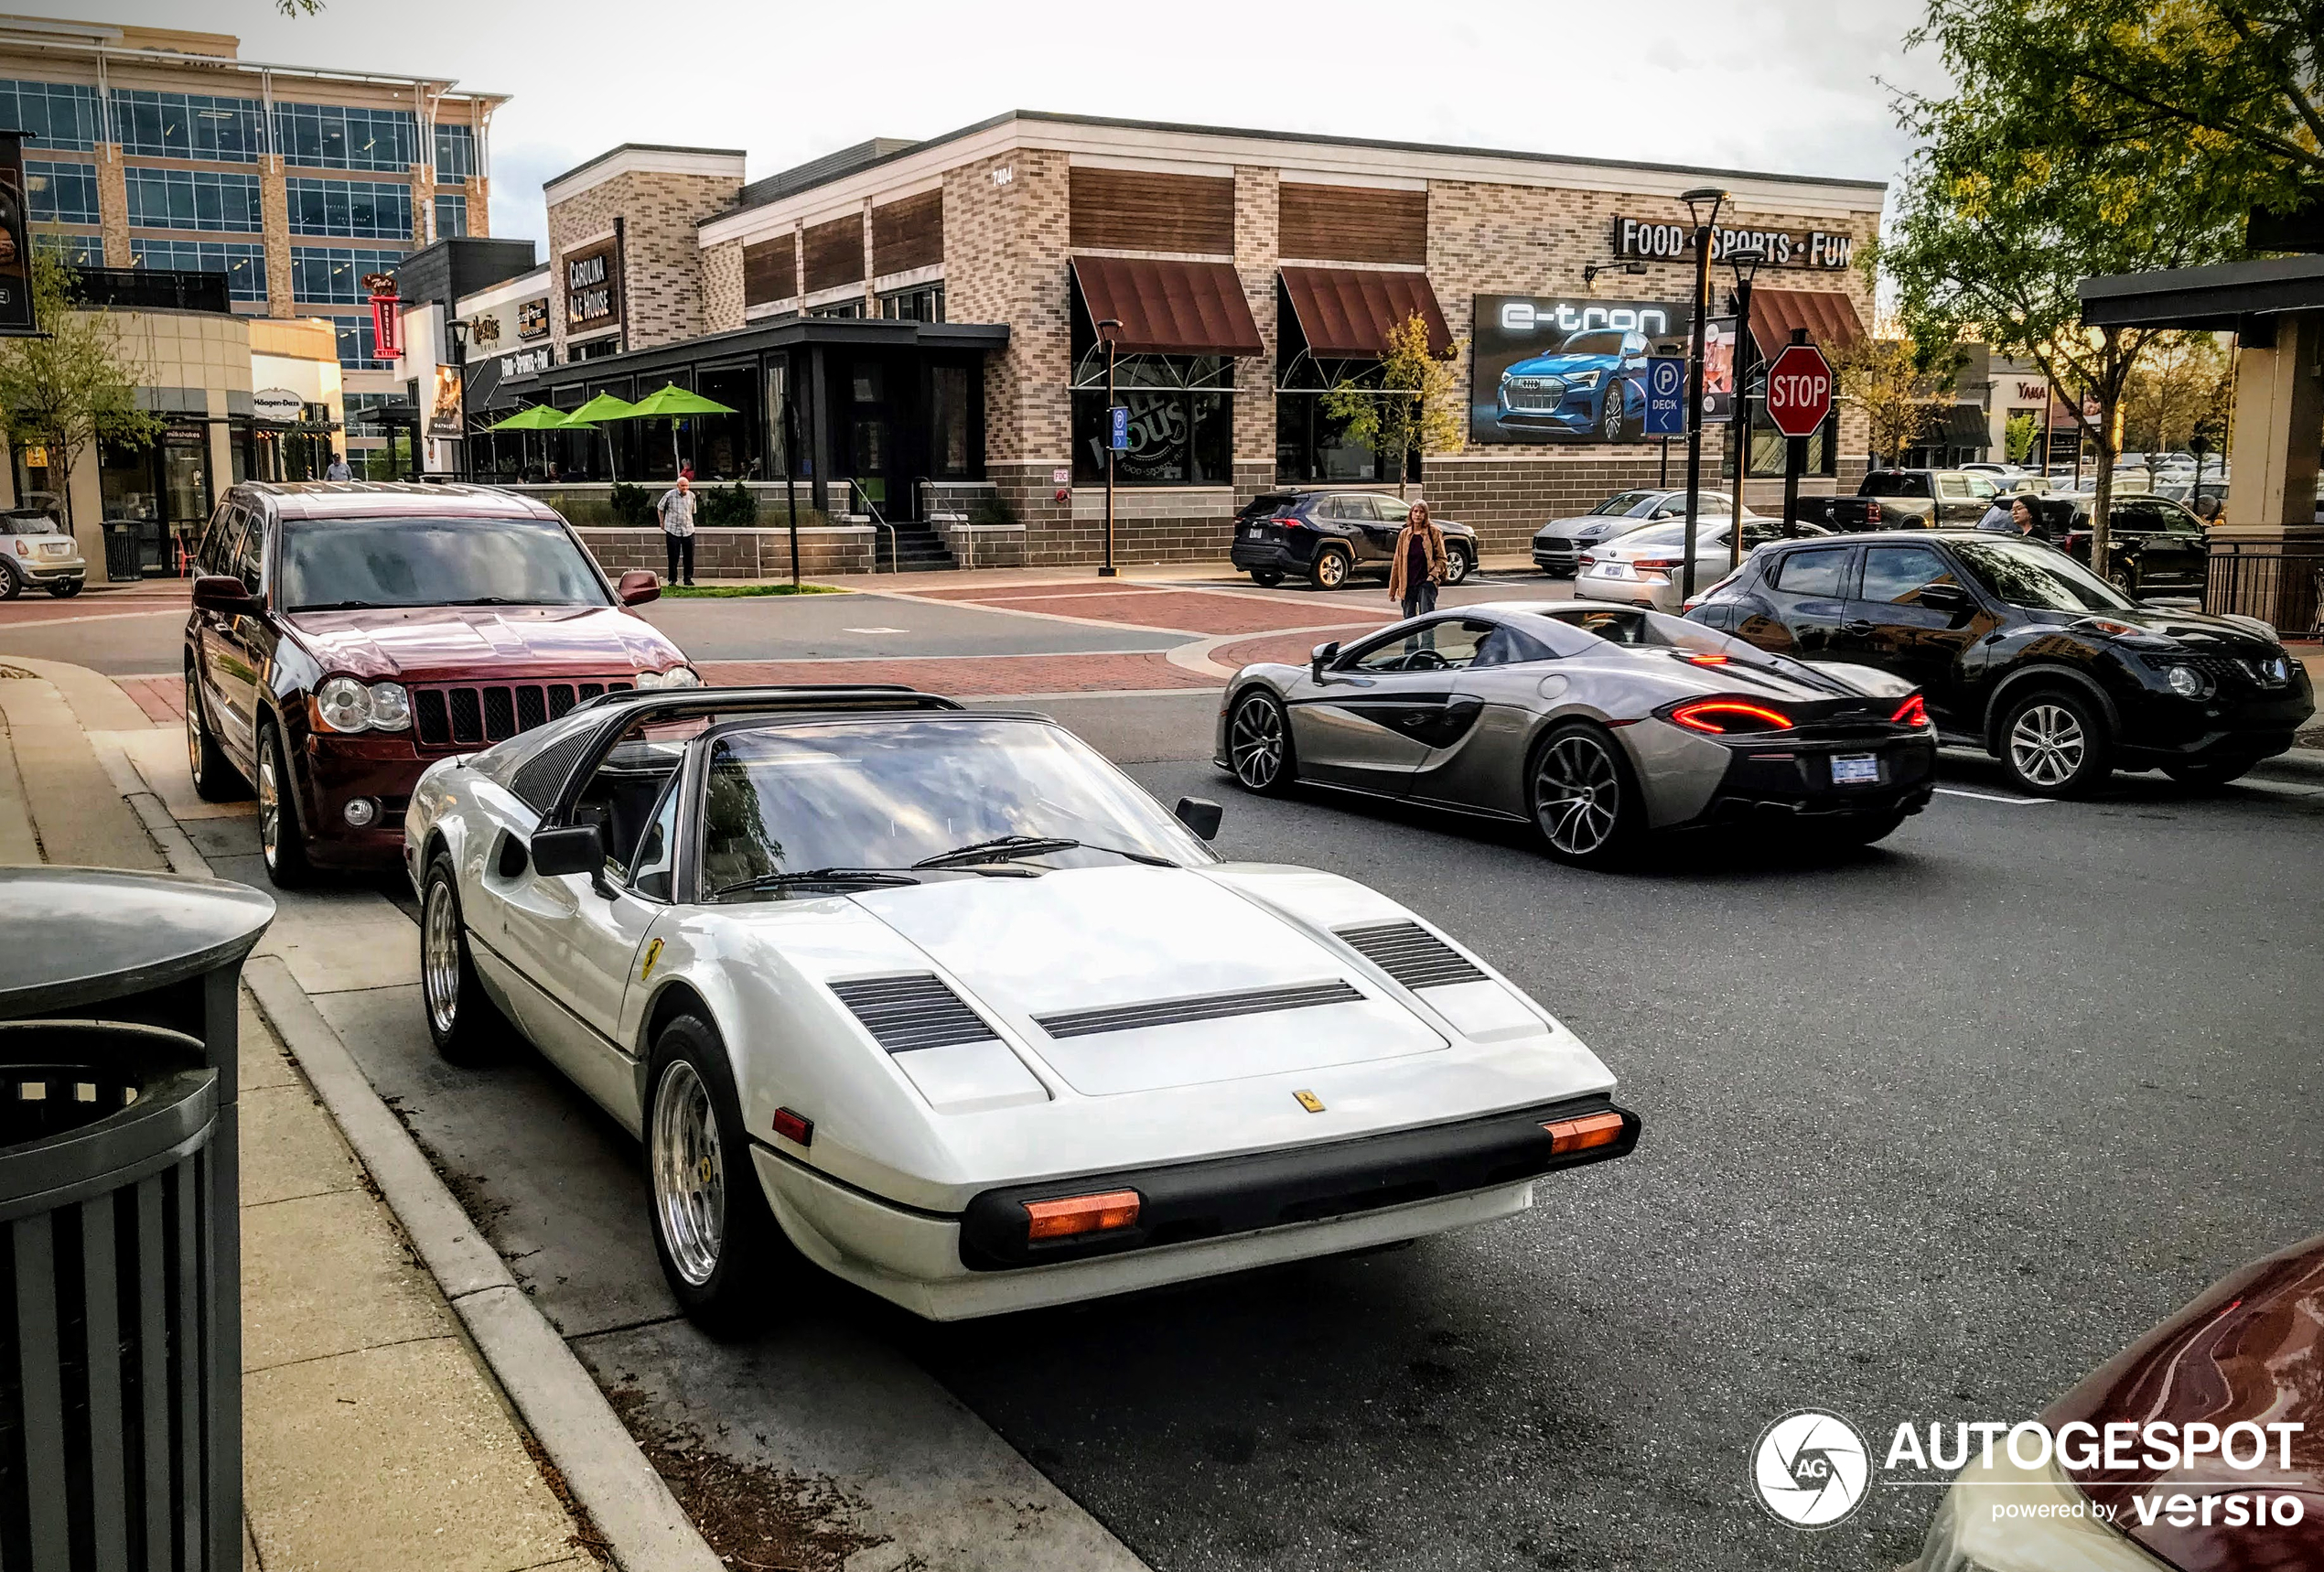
1913	712
1580	1135
1723	716
1078	1214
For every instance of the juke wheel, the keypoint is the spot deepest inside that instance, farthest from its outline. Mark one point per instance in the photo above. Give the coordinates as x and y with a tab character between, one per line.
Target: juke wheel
1583	800
464	1023
1458	565
1330	569
721	1248
1259	744
2054	744
215	780
281	844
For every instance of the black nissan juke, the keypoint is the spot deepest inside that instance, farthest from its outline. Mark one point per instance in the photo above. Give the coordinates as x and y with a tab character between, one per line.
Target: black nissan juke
2023	651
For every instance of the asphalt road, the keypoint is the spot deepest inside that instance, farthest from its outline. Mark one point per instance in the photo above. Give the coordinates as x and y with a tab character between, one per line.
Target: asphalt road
1931	1130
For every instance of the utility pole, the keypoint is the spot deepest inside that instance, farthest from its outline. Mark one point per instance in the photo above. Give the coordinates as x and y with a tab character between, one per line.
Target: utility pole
1746	264
1702	205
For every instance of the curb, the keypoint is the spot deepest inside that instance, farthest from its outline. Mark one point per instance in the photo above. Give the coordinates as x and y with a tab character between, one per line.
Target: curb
609	1476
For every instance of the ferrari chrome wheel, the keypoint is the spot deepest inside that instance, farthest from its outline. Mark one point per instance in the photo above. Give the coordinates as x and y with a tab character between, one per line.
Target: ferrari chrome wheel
2046	745
440	959
1577	795
689	1173
1256	742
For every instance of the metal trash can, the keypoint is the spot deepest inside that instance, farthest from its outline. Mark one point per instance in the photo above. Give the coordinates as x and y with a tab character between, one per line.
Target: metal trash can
120	1220
122	559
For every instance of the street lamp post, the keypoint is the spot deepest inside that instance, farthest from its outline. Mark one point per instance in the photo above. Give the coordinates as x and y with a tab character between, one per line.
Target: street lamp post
457	332
1110	326
1745	265
1702	205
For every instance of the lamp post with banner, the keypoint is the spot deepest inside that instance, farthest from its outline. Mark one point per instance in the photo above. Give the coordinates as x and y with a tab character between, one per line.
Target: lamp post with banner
1702	205
456	334
1745	265
1116	436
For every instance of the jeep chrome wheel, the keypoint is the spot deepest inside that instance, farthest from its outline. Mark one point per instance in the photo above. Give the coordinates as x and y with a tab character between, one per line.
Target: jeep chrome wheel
1256	742
270	810
689	1173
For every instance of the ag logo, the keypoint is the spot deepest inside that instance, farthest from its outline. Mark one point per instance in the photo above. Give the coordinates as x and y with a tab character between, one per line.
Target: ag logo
1810	1468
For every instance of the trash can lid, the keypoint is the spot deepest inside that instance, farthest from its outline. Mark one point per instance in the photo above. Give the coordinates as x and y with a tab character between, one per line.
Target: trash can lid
71	936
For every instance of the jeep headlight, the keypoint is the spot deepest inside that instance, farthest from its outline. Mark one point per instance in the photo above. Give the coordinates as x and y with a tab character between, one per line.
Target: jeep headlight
2010	1519
675	678
346	703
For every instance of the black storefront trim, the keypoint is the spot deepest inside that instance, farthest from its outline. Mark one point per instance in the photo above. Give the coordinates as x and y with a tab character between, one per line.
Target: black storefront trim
1229	1196
790	333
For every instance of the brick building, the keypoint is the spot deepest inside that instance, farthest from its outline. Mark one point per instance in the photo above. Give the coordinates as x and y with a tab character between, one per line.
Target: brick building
913	327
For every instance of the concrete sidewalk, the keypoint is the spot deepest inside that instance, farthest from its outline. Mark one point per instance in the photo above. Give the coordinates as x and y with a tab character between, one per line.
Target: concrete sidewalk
374	1437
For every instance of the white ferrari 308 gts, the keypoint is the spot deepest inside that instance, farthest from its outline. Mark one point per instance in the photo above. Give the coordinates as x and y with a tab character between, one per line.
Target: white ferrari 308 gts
943	1002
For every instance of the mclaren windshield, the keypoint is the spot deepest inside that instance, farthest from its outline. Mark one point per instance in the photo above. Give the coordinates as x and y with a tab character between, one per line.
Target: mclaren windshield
828	802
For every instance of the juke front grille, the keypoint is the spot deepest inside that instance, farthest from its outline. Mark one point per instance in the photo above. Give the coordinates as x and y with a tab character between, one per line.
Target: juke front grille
1197	1007
474	714
912	1010
1411	954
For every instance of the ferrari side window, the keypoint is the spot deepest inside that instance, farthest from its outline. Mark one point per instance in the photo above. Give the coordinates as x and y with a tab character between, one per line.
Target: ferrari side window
657	863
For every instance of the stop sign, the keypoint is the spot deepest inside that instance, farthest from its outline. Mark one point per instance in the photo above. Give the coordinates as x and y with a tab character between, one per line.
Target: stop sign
1798	390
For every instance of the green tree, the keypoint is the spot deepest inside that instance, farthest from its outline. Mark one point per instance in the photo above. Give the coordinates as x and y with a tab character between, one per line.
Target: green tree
1896	382
1405	406
2180	385
75	385
2006	209
2019	436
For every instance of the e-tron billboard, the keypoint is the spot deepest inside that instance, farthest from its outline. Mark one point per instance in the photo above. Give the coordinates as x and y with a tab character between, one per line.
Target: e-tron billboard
1555	369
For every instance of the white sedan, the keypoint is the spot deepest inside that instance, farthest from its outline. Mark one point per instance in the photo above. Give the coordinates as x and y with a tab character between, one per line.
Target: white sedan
1645	568
948	1003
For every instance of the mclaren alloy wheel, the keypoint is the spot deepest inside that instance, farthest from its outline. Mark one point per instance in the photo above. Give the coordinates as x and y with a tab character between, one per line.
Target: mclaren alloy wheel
1259	743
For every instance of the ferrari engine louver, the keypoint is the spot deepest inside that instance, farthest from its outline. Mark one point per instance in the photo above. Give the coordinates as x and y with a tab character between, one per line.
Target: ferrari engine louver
914	1010
1200	1008
1411	954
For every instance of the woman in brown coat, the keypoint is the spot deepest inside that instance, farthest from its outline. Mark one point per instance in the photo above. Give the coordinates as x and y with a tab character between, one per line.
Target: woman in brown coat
1418	567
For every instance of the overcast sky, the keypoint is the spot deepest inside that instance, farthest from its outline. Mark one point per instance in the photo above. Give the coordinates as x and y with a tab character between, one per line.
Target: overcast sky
1779	85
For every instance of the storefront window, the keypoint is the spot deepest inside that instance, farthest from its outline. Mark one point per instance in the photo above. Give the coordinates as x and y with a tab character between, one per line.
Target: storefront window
780	417
1181	432
125	481
947	422
724	446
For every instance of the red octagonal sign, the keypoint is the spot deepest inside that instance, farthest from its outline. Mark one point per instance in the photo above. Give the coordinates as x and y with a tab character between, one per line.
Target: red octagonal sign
1798	390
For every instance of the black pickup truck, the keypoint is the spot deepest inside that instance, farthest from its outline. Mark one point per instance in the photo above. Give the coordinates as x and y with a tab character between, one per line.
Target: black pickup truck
1915	499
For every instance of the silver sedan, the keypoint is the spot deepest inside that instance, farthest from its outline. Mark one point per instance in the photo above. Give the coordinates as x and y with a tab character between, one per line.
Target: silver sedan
1597	723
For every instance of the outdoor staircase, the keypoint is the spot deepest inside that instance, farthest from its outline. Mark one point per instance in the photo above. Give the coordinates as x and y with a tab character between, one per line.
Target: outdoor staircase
918	549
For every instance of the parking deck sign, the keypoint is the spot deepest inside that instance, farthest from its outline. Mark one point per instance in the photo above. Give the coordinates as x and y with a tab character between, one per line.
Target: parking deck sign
1665	396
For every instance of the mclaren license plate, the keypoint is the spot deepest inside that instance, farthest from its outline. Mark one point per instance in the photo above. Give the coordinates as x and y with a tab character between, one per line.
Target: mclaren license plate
1855	769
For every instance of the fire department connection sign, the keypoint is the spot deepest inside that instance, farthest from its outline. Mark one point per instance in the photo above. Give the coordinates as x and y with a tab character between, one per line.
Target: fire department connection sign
1798	390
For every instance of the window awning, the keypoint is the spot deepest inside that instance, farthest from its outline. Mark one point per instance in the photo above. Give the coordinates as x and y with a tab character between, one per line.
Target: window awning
1346	312
1169	308
1959	425
1828	316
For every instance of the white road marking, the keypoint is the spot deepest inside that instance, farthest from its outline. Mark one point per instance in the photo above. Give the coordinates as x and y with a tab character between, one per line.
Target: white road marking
1989	797
874	629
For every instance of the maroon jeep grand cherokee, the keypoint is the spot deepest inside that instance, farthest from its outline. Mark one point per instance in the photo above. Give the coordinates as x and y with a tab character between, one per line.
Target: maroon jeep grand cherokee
346	635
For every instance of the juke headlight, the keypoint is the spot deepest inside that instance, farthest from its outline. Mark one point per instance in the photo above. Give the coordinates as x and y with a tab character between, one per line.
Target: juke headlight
2185	681
348	703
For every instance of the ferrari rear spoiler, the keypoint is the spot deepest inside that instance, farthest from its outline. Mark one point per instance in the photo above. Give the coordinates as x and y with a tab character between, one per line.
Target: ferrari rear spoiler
787	696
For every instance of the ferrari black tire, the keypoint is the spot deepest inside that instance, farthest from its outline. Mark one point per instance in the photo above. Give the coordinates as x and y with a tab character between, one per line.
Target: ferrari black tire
1259	747
2208	774
2054	743
215	778
721	1249
1330	569
466	1026
1584	797
1266	577
1458	565
282	843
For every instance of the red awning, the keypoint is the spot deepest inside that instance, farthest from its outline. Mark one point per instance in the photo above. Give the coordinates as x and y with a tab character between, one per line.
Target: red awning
1346	312
1169	308
1828	316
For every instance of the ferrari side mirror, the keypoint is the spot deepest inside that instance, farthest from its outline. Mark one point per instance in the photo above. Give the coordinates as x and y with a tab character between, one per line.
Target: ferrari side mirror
572	850
1201	816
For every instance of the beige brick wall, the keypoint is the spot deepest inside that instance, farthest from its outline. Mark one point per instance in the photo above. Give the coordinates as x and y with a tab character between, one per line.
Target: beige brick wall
273	202
662	283
113	206
480	205
1257	250
1006	261
722	288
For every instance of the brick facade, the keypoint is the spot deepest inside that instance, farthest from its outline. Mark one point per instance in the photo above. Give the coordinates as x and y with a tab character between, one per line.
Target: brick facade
664	289
722	288
732	554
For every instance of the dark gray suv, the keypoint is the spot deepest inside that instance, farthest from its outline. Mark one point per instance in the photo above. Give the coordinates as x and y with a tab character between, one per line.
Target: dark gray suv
1327	537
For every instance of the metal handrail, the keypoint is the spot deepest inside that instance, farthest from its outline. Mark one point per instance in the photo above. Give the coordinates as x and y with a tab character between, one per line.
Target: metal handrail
856	489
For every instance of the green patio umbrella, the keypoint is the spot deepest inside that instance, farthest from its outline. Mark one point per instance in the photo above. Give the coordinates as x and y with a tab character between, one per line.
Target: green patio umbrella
540	417
604	407
670	402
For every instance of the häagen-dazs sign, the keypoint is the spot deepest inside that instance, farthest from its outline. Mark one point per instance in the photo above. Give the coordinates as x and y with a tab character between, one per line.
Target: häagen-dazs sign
277	404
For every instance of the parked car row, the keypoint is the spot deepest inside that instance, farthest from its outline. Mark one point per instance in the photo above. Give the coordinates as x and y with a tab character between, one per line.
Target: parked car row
1326	537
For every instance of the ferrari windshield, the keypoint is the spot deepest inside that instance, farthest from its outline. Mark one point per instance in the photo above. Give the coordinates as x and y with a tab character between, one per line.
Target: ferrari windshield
2025	572
350	564
890	793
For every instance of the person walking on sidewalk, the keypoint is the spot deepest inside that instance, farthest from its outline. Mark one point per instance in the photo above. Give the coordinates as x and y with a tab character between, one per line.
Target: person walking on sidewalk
1418	566
677	510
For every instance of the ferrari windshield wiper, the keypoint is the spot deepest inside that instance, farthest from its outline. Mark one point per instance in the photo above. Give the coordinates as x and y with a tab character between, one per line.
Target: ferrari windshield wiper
1003	848
815	876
